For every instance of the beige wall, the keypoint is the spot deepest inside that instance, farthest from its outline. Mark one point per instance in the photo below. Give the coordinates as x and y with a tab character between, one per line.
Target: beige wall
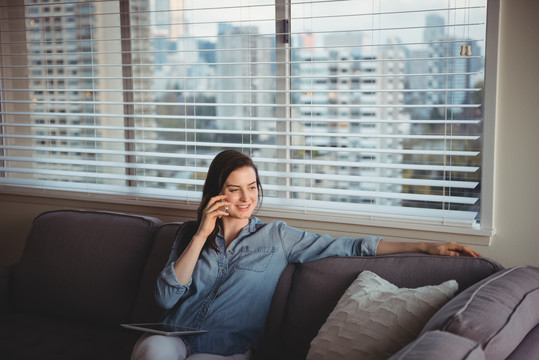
517	165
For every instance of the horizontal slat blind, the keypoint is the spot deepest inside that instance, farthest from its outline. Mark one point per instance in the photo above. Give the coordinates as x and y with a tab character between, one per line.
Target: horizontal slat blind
347	107
385	60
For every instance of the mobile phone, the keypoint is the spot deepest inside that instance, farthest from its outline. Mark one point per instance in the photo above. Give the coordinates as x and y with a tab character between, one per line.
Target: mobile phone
226	206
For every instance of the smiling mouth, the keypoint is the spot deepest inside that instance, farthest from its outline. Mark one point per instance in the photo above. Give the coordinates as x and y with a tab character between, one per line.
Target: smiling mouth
243	206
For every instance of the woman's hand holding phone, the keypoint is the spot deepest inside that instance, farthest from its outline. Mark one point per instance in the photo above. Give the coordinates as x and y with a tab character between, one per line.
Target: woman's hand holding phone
185	264
217	207
225	209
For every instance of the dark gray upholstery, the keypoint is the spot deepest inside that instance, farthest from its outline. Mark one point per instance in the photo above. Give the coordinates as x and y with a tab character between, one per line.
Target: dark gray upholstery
307	293
76	282
27	336
436	345
146	310
84	272
5	284
528	347
511	295
83	267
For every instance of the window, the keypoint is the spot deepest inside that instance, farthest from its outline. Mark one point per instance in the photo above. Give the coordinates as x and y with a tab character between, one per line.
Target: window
356	111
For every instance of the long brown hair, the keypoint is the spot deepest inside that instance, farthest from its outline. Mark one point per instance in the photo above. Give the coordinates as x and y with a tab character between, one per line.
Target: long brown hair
222	165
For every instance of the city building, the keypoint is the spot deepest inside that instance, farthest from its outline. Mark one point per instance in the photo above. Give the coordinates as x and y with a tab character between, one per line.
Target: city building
338	89
75	58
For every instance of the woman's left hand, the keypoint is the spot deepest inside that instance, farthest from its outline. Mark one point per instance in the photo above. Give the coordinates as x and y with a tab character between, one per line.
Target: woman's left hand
450	249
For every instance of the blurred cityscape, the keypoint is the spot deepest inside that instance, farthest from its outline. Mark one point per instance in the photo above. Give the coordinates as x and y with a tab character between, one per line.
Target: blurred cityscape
186	97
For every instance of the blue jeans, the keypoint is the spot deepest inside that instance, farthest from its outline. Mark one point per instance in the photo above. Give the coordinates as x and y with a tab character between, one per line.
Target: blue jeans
160	347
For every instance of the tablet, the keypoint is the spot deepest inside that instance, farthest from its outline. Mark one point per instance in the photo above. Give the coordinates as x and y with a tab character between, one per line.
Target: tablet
164	329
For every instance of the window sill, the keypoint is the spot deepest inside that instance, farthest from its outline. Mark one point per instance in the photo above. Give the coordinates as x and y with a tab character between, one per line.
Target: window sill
338	225
324	223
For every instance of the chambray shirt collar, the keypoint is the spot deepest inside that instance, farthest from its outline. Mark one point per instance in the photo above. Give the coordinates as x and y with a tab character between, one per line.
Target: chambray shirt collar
253	222
251	227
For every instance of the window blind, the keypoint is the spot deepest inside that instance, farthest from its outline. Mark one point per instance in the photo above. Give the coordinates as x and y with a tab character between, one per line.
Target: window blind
370	109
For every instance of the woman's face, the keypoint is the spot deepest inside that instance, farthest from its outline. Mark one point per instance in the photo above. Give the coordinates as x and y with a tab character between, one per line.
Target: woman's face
242	192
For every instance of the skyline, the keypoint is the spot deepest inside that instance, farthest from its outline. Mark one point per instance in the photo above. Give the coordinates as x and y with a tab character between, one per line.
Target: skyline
344	108
381	21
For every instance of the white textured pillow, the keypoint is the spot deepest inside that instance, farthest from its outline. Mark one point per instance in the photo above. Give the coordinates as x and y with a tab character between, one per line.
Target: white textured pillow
374	319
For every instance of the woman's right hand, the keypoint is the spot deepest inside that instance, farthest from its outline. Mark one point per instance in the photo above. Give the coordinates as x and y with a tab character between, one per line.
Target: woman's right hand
185	264
214	210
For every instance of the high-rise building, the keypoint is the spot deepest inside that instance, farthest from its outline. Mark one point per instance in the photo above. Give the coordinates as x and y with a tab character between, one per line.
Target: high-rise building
243	45
79	90
440	66
345	79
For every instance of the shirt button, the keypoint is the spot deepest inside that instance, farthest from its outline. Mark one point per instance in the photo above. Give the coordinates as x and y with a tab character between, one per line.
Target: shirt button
223	271
204	310
230	251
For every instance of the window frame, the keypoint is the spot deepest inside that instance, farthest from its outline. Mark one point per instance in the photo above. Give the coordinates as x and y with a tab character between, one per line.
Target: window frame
326	221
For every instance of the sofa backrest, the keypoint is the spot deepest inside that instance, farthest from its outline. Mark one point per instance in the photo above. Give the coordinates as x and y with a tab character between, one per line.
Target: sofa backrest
146	309
83	265
307	293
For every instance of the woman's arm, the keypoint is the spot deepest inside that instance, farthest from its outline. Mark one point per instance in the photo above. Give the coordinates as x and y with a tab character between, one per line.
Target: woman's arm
168	290
184	266
175	278
449	249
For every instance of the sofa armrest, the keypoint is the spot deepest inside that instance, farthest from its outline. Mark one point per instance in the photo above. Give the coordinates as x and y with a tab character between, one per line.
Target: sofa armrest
497	312
5	288
439	344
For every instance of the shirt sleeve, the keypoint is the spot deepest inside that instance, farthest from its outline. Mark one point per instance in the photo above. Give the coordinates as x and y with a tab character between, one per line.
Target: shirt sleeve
302	246
168	290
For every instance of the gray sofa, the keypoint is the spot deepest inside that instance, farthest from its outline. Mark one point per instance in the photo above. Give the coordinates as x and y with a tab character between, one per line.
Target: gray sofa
495	314
83	273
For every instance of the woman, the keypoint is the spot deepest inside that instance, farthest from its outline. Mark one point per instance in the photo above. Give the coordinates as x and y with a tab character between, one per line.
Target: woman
224	279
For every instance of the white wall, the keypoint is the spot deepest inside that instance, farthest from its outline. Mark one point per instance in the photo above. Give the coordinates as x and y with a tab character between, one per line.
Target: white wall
517	163
517	159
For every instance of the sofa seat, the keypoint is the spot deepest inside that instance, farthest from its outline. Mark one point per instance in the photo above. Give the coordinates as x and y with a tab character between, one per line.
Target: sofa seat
83	273
81	276
26	336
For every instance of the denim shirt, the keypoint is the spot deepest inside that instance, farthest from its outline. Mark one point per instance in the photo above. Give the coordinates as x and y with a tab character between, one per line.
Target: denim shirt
230	291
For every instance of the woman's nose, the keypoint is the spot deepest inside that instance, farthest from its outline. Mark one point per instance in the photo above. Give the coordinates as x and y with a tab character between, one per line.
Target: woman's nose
243	195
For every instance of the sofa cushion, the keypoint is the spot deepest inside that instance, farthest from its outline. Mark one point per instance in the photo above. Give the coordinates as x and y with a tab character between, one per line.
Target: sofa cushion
146	309
29	337
83	265
528	347
497	312
435	345
307	293
5	284
374	318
